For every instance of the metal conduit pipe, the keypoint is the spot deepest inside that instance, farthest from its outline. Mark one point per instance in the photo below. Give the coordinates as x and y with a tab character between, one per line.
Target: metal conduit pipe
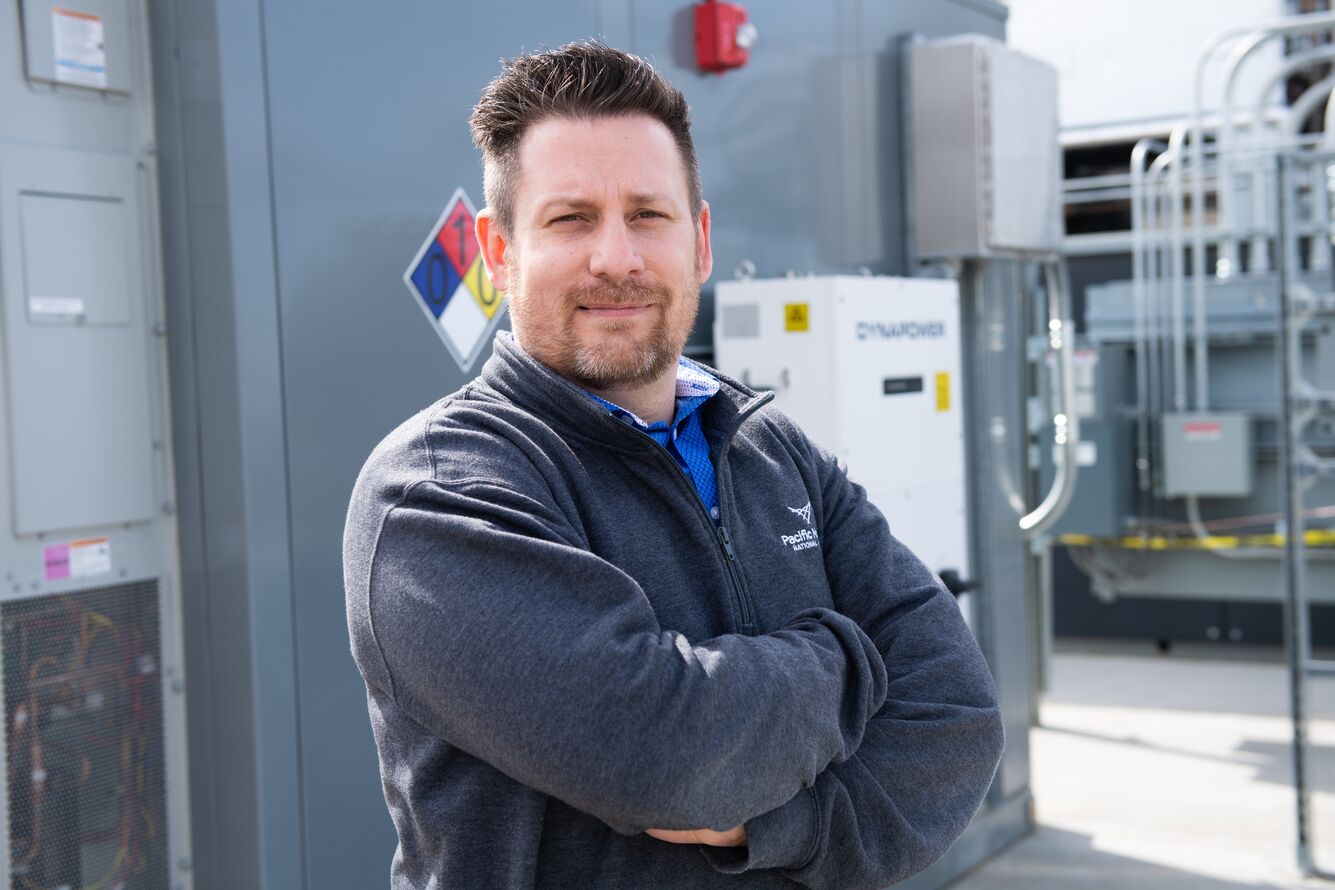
1066	426
1228	261
1156	294
1164	296
1159	318
1140	302
1264	142
1255	36
1165	385
1328	131
1306	103
987	325
1299	111
1321	186
1318	254
1154	263
1176	142
1304	24
1318	257
1162	317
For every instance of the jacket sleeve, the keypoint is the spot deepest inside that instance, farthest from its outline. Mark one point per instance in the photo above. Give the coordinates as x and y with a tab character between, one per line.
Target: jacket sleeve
475	607
929	753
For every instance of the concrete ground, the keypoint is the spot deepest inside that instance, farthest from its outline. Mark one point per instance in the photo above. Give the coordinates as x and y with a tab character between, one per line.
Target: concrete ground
1171	772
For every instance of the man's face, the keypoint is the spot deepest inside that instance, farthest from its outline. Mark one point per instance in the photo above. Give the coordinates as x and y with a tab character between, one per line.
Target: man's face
604	263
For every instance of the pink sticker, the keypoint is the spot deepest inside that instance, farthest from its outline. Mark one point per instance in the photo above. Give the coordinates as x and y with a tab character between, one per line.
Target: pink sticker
57	562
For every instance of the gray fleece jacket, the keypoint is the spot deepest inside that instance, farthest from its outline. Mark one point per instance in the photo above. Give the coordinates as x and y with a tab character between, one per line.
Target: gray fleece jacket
561	649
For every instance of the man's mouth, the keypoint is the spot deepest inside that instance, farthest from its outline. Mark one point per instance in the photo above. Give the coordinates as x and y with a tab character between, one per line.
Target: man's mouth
615	310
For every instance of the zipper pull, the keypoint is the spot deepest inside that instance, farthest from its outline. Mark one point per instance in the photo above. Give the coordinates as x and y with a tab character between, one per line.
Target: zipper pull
727	542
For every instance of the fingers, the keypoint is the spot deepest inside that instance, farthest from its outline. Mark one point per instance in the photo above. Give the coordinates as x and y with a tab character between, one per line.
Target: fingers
734	837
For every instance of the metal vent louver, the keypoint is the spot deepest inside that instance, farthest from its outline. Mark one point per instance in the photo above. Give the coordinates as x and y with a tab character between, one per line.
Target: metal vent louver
83	740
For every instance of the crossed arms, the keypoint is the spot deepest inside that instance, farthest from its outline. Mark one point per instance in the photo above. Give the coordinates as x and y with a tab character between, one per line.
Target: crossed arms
853	744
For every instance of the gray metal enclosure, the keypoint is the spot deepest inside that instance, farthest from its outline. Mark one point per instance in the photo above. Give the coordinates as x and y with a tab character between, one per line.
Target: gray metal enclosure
305	151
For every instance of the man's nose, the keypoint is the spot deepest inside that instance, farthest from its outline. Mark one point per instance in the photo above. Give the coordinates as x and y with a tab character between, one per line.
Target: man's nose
614	255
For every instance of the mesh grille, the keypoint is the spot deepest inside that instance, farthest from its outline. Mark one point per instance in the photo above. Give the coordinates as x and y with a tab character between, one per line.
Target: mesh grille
83	727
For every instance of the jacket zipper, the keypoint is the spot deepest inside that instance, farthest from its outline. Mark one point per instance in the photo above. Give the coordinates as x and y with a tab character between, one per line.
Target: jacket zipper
721	530
731	561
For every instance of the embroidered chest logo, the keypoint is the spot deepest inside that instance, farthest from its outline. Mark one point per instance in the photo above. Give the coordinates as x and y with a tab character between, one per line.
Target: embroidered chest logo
804	512
802	539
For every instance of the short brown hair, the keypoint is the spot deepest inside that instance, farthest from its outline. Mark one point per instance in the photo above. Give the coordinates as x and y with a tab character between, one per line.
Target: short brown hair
579	80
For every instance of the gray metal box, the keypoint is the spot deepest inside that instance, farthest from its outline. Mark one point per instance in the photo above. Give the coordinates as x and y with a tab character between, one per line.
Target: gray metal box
1207	454
85	44
986	159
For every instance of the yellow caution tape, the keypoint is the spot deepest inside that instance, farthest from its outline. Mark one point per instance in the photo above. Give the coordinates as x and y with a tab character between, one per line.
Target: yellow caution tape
1316	537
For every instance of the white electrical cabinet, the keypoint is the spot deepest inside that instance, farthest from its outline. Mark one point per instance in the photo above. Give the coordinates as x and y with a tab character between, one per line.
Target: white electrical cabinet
870	369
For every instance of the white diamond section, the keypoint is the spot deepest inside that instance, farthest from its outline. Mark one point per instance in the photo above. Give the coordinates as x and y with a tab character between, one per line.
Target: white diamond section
464	323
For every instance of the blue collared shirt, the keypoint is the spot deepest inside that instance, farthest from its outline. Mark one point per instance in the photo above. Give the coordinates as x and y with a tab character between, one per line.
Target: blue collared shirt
684	438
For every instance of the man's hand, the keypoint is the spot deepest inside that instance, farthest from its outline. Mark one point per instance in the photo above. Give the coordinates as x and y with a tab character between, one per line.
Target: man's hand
733	837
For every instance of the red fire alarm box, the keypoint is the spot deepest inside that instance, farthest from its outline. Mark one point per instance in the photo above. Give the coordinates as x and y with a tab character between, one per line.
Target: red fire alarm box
723	36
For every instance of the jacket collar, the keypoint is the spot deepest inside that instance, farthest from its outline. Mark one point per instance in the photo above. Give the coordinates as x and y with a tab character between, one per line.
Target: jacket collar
522	380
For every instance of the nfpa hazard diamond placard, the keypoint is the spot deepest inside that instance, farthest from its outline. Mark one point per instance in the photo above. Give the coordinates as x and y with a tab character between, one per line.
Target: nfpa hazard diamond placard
450	283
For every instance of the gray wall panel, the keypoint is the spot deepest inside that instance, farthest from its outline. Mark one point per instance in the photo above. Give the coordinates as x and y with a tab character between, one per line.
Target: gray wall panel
369	123
229	433
263	482
753	134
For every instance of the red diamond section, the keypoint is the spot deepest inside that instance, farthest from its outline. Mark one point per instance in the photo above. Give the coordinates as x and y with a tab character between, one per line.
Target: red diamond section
457	238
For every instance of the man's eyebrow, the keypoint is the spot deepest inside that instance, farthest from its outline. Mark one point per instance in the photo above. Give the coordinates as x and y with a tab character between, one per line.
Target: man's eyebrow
566	203
649	198
571	202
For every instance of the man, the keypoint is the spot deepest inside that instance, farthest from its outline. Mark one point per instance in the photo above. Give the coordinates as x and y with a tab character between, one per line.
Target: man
594	654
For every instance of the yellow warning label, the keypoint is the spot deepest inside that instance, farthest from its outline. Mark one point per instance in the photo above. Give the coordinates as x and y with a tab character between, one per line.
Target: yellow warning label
796	316
942	391
488	298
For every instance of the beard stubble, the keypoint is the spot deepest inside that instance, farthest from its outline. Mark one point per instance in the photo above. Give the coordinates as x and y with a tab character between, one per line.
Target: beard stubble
603	366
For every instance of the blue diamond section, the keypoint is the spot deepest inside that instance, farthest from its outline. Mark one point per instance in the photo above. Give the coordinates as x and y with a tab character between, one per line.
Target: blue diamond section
435	279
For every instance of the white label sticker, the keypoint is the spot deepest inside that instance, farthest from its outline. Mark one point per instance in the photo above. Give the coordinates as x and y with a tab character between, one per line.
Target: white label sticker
63	307
1086	453
81	54
90	557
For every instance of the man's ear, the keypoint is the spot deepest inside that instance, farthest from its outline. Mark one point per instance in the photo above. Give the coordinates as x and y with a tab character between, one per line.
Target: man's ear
494	249
703	250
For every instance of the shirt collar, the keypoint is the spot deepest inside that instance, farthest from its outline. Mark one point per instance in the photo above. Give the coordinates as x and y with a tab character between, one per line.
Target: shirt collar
515	377
695	386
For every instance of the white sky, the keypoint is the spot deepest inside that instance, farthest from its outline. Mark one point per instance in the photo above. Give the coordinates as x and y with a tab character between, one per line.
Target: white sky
1134	60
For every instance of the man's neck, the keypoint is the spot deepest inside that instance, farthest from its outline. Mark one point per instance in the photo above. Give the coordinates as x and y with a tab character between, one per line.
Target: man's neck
652	402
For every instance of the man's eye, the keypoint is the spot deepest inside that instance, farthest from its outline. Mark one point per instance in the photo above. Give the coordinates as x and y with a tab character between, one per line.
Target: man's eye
651	214
569	217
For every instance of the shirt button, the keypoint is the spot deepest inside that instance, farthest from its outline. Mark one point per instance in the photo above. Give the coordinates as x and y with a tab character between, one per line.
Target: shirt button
713	511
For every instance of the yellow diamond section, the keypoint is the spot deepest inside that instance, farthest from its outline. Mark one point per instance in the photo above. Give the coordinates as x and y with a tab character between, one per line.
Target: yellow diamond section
487	296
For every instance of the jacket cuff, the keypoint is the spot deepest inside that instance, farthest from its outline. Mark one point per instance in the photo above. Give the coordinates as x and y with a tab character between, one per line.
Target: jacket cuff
785	837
